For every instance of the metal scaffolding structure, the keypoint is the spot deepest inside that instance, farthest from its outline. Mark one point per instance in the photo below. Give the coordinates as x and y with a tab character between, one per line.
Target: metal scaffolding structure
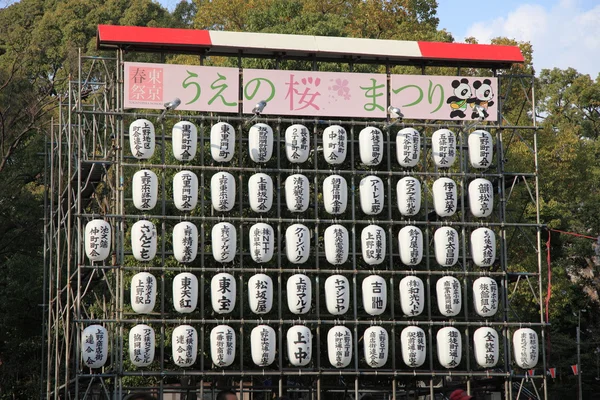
89	176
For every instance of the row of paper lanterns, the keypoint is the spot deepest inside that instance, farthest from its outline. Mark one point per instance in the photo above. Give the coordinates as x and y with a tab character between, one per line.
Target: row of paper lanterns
299	338
298	290
297	144
297	193
261	239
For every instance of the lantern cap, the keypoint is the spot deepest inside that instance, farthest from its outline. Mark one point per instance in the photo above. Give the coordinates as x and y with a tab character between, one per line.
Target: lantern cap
460	394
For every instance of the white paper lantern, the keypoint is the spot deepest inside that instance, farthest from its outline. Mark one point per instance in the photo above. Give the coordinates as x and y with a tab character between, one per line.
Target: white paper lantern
297	192
260	192
185	190
185	292
408	147
94	346
446	246
410	240
414	347
143	293
408	191
337	294
263	344
481	149
222	191
299	293
444	197
374	294
297	143
185	140
336	241
222	345
144	189
335	144
142	139
142	342
222	142
184	343
224	242
373	242
371	195
260	142
483	247
449	297
98	235
223	292
262	242
335	194
485	296
376	345
299	345
525	346
260	293
297	243
185	242
143	240
339	346
443	147
370	143
481	197
412	295
485	344
449	347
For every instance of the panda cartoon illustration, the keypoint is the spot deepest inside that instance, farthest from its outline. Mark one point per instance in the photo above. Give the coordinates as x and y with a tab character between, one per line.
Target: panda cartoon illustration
483	97
461	98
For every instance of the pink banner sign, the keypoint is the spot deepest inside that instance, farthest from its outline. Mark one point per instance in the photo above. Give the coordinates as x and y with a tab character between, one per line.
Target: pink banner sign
445	97
318	94
211	89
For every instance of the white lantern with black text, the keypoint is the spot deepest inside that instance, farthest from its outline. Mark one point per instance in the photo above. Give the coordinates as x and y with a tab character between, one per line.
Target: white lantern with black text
142	139
260	192
414	347
97	239
94	346
335	194
299	345
483	247
481	149
222	142
184	343
376	345
449	347
297	143
446	246
222	191
185	242
443	147
485	296
408	191
525	346
262	242
143	292
297	243
185	190
335	144
260	293
224	242
444	197
372	239
408	147
339	346
263	343
412	295
337	294
185	140
485	343
370	143
222	345
299	293
144	189
297	193
185	292
481	197
142	342
223	293
374	294
449	297
410	240
336	241
143	240
260	142
371	195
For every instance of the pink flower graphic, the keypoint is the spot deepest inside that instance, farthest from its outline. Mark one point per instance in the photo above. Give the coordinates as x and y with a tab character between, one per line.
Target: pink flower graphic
342	89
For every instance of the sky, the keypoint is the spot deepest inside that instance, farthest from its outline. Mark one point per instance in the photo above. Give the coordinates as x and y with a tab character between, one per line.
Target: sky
564	33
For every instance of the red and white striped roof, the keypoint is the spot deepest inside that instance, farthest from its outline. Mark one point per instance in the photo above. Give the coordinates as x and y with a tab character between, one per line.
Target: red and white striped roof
297	46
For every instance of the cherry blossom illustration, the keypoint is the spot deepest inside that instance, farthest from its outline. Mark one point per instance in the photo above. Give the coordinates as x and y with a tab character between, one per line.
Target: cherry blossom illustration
341	87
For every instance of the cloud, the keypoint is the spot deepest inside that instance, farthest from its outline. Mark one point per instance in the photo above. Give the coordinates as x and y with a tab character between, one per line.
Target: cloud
563	35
